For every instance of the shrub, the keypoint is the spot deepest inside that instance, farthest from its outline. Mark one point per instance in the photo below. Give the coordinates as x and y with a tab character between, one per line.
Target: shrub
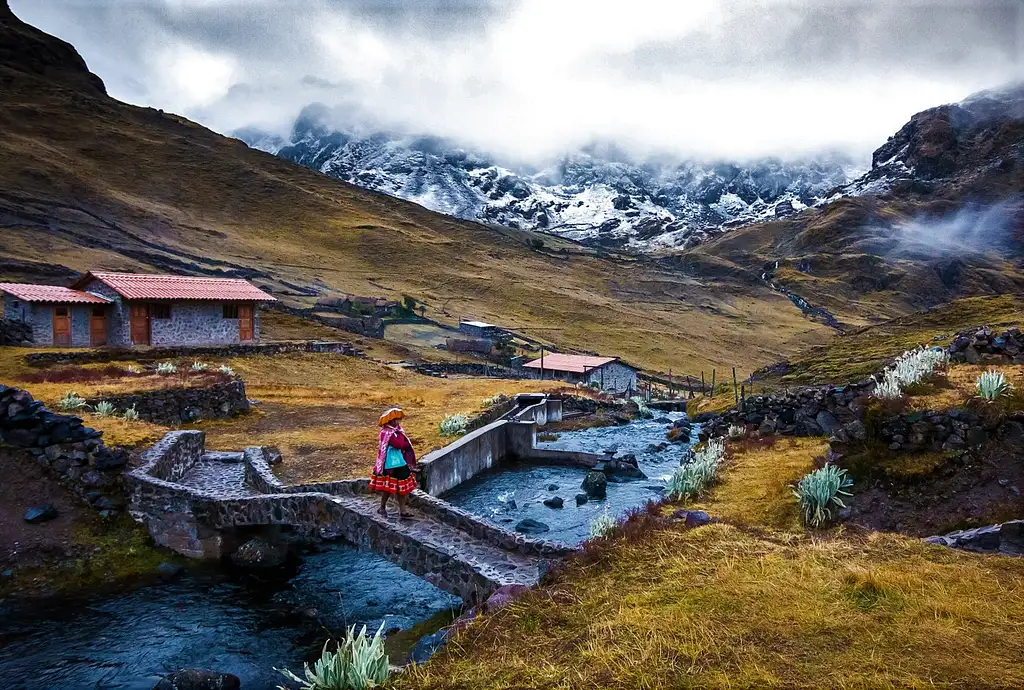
602	526
71	402
358	663
131	414
819	491
132	370
737	432
913	366
166	368
992	385
694	477
226	370
104	409
200	366
454	425
495	400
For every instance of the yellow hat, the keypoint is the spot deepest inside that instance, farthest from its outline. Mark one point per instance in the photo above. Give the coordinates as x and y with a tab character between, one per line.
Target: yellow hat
390	416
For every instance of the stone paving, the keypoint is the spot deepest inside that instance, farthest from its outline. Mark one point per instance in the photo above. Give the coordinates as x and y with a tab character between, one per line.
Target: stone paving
226	480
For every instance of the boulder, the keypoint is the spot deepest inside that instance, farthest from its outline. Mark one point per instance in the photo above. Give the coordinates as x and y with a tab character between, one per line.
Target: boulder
552	487
428	646
554	502
622	469
581	499
43	513
272	455
503	596
531	526
197	679
828	422
595	484
169	571
259	553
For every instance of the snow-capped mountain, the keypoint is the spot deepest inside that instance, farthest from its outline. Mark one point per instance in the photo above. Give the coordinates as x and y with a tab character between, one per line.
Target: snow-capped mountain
597	195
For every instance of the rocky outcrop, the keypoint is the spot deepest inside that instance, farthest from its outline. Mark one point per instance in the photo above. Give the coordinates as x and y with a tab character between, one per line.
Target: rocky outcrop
984	345
1006	538
63	444
42	359
15	332
174	406
197	679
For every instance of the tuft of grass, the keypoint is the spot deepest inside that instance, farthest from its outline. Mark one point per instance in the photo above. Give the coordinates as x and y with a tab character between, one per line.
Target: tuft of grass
602	526
693	478
453	425
72	402
993	385
819	492
166	368
225	370
910	368
103	409
198	366
358	663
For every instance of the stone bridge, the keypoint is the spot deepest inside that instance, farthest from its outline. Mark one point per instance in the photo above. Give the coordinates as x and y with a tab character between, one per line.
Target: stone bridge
204	504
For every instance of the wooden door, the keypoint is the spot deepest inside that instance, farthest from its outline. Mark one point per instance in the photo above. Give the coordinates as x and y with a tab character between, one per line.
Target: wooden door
140	329
98	327
245	323
62	326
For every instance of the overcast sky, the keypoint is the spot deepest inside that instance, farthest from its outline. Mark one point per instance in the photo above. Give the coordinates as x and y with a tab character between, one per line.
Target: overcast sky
707	78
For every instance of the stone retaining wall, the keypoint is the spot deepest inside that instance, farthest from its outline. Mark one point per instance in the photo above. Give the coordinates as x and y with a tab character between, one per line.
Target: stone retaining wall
67	448
42	359
15	332
982	345
173	406
470	369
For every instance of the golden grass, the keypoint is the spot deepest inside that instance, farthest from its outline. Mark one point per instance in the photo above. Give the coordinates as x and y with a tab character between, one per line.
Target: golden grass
727	607
754	488
958	386
321	410
118	432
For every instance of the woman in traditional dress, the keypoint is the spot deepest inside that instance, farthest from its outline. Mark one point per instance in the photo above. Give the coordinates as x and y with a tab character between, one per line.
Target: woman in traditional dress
392	474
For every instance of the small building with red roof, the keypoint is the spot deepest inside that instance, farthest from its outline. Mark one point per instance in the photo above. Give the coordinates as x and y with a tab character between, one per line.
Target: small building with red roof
608	374
129	309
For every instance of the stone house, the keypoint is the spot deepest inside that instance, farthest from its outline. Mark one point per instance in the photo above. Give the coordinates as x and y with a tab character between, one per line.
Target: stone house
125	309
608	373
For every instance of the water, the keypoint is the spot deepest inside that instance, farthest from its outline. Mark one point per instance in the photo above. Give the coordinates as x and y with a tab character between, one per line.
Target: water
241	624
493	495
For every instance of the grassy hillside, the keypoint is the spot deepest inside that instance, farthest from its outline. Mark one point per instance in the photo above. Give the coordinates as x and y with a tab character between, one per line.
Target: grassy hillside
89	182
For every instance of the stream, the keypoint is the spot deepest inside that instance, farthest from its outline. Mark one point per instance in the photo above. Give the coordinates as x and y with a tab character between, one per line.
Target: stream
513	494
247	623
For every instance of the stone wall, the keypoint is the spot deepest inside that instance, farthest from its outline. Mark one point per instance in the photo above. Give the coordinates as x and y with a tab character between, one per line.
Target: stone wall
614	377
441	369
476	452
41	359
173	406
981	345
15	332
67	448
195	323
1006	538
118	324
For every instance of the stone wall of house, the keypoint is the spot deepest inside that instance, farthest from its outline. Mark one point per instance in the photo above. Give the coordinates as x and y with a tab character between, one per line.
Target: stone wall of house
118	322
66	447
173	406
15	332
81	316
194	323
614	377
982	345
42	359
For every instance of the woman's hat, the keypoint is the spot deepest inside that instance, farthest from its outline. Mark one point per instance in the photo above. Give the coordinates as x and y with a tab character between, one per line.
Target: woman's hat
390	416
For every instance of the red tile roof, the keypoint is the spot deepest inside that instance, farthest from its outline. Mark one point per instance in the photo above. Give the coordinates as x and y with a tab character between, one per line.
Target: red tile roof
50	293
142	286
573	363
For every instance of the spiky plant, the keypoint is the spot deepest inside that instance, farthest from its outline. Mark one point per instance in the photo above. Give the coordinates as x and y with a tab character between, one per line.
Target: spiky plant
358	663
130	415
913	366
993	385
819	492
454	425
71	402
104	409
641	405
736	432
198	366
226	370
166	368
602	526
495	400
132	369
694	477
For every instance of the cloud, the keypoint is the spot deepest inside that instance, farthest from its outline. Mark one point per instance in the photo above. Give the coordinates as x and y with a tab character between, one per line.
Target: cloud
532	79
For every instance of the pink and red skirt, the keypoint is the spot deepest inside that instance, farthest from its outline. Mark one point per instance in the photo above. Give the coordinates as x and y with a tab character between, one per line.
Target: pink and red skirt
398	480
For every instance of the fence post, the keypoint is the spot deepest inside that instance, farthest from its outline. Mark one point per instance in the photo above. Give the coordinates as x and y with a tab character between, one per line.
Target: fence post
703	389
735	392
713	372
743	398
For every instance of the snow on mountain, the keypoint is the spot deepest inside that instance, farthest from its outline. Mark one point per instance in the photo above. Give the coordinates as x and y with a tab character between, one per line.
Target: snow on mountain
595	196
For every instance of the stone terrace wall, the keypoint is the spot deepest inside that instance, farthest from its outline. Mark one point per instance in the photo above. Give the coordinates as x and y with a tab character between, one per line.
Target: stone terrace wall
173	406
15	332
62	443
158	353
980	345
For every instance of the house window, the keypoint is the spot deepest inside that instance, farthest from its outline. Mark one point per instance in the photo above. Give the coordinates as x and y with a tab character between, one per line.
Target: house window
98	311
60	311
160	311
230	311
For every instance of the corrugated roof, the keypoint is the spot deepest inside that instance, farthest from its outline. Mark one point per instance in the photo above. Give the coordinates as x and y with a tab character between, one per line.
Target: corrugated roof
50	293
142	286
573	363
478	324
